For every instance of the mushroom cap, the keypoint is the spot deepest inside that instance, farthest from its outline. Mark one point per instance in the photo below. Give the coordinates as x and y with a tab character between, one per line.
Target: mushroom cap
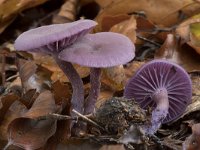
161	74
41	36
100	50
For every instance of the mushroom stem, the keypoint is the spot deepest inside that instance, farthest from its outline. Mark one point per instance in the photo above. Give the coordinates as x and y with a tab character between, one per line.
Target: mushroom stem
160	112
77	101
95	74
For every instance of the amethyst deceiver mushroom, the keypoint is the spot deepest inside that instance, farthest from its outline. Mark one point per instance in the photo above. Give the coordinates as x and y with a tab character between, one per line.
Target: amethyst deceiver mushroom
100	50
52	39
163	85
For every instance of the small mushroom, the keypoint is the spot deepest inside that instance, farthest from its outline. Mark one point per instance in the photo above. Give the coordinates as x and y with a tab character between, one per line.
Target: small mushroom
52	39
164	86
100	50
193	141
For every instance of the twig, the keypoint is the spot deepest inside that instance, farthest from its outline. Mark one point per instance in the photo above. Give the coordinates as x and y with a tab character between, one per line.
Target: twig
65	117
56	117
147	40
12	77
88	120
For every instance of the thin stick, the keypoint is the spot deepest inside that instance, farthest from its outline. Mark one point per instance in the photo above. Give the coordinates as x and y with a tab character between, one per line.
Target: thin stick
88	120
147	40
12	77
55	117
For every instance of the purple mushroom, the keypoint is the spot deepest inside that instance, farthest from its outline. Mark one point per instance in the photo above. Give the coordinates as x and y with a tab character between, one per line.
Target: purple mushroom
52	39
163	85
100	50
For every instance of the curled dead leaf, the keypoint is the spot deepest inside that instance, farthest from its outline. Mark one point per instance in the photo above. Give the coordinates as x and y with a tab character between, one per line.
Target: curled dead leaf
32	76
15	111
28	131
7	101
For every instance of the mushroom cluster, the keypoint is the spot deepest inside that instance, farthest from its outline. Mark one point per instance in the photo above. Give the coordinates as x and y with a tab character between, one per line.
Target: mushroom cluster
100	50
164	86
52	39
71	43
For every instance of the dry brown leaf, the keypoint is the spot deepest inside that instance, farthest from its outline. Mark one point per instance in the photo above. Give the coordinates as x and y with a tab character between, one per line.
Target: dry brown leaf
7	101
29	97
10	8
15	111
27	70
30	133
62	95
32	76
127	28
114	77
164	12
62	92
42	106
182	55
132	67
67	12
110	20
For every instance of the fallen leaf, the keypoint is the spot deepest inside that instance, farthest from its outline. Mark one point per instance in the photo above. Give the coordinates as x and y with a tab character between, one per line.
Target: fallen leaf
189	32
67	13
28	131
7	101
10	8
32	77
16	110
62	93
114	77
132	67
29	97
127	28
183	55
164	13
110	20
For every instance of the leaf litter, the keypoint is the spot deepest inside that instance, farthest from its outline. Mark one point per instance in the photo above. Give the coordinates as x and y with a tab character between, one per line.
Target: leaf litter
33	87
